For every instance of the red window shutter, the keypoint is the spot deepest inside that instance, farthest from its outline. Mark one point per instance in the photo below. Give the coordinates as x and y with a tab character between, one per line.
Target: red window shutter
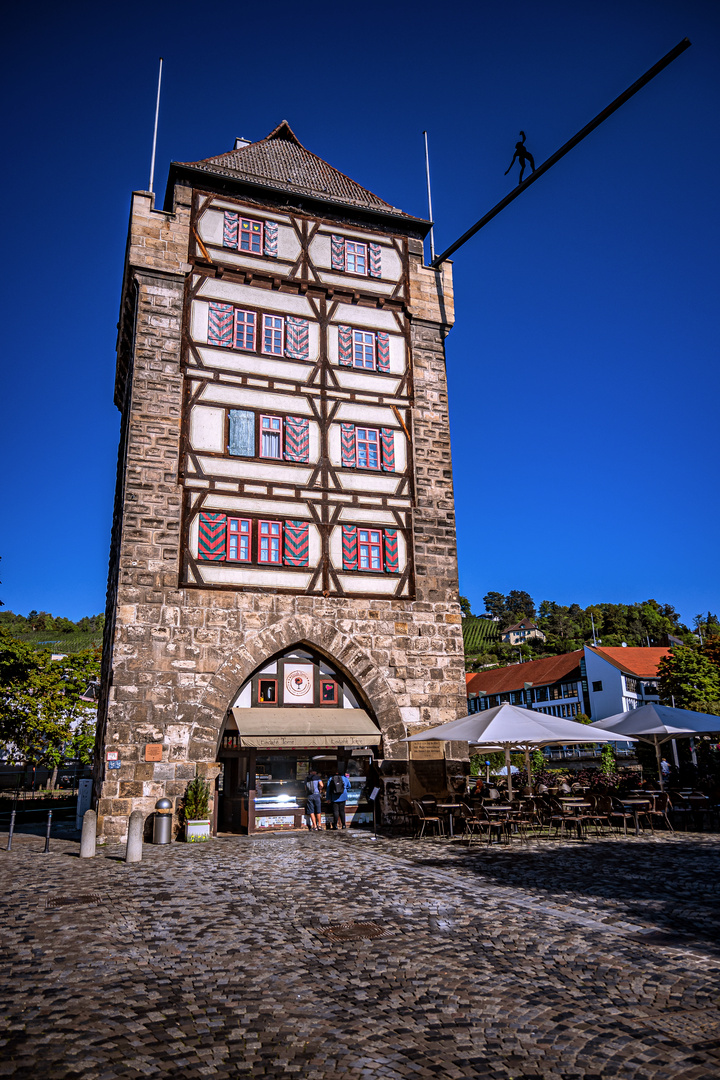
297	338
392	560
338	252
230	229
220	325
297	543
383	352
271	239
297	438
212	537
375	260
349	547
345	346
348	446
387	449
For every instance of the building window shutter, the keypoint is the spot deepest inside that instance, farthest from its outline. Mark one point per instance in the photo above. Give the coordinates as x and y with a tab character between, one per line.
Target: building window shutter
297	338
212	537
383	352
392	562
220	325
338	252
297	543
348	446
387	449
349	547
271	239
375	260
241	436
345	346
230	229
297	438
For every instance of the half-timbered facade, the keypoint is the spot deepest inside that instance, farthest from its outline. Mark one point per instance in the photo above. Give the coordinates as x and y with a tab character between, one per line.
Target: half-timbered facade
284	481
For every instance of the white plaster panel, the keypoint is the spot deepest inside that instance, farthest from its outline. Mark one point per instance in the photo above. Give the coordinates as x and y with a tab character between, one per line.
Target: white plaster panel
372	318
354	234
232	360
334	445
366	414
207	429
252	470
372	384
226	487
314	434
234	293
320	250
335	549
314	545
368	583
400	451
210	226
256	399
373	517
249	262
250	211
220	574
257	506
193	534
244	698
288	244
199	322
362	482
362	284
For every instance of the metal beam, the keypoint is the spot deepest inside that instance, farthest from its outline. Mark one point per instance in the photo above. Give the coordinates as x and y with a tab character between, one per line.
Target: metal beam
608	111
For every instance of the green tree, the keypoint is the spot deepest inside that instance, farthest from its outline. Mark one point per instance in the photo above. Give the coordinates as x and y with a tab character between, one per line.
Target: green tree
465	607
690	679
519	605
495	604
42	716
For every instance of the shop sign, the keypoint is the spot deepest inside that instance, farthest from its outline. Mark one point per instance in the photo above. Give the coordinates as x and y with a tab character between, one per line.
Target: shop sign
153	751
427	750
274	822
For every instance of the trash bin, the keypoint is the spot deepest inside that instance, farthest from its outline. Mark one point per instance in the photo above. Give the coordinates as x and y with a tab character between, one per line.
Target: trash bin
162	824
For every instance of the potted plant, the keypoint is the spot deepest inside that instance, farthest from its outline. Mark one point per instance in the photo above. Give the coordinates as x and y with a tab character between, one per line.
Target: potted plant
195	810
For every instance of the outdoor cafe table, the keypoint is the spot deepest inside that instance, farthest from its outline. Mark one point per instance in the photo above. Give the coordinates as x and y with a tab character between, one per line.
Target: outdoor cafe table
634	805
575	805
449	807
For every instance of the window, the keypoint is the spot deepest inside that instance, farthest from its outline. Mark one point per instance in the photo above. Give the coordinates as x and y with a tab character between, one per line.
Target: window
273	334
632	685
239	531
597	686
368	448
355	257
363	350
270	437
270	535
251	234
245	330
370	549
267	692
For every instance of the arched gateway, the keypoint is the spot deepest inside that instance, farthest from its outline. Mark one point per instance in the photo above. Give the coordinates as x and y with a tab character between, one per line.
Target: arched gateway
284	485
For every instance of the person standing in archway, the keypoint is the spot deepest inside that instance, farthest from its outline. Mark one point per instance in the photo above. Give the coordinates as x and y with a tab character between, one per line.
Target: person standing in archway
313	804
338	787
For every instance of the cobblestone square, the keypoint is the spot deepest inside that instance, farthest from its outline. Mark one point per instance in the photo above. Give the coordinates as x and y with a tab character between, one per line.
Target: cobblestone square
560	959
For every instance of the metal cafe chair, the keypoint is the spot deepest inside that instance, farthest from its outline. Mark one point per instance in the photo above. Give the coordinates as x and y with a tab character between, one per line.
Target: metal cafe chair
426	819
659	808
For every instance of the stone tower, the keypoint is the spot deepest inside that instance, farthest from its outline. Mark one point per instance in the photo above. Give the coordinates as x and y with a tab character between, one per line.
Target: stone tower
283	576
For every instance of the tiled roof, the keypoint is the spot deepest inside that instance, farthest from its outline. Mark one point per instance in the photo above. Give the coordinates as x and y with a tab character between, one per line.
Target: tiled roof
637	661
524	624
538	672
281	161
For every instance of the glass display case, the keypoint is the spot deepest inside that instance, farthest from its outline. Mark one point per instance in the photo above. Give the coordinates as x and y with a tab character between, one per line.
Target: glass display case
278	794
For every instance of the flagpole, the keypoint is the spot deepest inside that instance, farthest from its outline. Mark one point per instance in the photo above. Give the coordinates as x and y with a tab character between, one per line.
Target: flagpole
157	113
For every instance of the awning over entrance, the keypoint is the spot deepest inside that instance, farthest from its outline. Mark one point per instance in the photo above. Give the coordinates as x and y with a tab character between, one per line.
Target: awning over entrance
288	729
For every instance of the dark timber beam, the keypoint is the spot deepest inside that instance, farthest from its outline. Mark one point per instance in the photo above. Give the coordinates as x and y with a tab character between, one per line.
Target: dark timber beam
608	111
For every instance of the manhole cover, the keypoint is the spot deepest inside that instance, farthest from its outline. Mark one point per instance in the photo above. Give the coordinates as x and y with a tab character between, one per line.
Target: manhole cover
70	901
354	931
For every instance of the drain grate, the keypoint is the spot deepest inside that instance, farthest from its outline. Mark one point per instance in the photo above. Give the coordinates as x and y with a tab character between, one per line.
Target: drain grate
354	931
72	901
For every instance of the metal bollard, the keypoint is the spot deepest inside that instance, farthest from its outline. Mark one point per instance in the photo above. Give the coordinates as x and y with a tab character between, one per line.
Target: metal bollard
162	822
12	830
46	849
89	835
133	850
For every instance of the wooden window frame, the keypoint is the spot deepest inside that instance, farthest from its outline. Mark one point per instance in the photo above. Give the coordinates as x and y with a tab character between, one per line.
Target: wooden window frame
245	325
280	433
365	253
269	537
263	678
239	535
250	222
273	330
370	544
363	345
378	448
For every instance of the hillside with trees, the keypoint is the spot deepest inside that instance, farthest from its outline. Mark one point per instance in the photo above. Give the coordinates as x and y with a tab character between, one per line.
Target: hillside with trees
41	630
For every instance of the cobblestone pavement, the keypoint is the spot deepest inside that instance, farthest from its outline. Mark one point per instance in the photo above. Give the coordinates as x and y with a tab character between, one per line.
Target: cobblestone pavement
557	960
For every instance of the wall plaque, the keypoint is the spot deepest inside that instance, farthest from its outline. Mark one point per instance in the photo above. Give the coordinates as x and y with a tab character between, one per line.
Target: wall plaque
153	751
427	750
113	755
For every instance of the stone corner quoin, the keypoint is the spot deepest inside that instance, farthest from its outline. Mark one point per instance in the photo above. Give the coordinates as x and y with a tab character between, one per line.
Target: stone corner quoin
284	482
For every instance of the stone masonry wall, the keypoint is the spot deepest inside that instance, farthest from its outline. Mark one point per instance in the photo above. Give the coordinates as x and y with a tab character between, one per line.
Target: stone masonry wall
178	656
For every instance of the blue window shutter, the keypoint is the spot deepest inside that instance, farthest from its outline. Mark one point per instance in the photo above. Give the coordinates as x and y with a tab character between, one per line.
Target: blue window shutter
271	239
375	260
241	442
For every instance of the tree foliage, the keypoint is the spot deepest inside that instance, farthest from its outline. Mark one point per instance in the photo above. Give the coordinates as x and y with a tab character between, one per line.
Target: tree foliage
689	678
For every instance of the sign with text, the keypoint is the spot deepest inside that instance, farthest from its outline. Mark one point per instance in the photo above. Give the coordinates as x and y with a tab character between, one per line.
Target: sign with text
427	750
113	755
153	751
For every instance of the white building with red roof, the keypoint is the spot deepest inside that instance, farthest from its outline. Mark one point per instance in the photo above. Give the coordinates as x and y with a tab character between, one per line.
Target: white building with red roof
621	678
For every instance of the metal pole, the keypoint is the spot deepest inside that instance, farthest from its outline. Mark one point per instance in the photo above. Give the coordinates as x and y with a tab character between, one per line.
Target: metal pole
157	113
611	108
430	213
12	830
47	833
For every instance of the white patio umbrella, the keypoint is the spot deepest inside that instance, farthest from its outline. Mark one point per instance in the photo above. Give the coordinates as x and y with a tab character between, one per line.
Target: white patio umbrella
514	728
656	724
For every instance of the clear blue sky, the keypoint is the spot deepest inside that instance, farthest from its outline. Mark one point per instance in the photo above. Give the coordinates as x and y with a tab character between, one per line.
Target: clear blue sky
583	366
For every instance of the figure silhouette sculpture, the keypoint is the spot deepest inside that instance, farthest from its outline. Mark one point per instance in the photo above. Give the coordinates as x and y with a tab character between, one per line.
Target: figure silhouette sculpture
522	155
